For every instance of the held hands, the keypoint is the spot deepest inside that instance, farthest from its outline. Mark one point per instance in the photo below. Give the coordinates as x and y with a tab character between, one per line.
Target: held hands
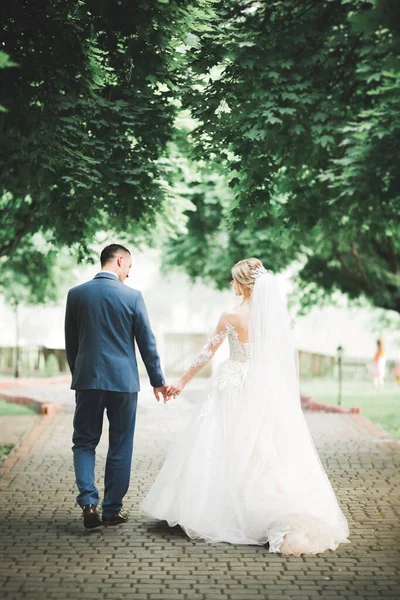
161	392
175	389
169	391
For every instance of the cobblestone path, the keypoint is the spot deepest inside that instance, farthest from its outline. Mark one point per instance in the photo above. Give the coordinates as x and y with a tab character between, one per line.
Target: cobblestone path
47	554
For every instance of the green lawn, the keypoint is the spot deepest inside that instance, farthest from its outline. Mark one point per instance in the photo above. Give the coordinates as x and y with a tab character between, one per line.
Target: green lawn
8	408
381	406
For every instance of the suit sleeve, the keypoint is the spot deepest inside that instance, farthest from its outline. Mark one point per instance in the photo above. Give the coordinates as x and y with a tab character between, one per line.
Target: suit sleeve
147	343
71	334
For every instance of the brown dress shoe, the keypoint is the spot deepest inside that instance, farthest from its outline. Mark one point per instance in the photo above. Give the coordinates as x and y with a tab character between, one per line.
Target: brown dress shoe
120	517
91	517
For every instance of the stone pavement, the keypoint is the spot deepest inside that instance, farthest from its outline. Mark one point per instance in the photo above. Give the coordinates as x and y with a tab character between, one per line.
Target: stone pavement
46	553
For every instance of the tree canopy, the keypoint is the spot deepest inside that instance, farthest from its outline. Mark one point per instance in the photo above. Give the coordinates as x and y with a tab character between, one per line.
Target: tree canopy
89	110
291	155
298	104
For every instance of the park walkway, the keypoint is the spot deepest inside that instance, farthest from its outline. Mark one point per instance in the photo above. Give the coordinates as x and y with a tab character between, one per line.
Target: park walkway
47	554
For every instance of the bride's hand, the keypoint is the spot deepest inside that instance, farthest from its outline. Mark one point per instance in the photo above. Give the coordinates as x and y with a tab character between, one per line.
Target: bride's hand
175	389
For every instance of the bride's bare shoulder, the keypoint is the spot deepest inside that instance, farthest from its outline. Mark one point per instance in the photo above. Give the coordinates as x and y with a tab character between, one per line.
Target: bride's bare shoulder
232	315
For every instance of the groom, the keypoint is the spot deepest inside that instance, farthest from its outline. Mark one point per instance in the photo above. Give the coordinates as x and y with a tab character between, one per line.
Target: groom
102	321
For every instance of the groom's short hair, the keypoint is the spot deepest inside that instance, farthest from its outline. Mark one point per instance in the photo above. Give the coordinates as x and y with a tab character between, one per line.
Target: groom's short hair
111	252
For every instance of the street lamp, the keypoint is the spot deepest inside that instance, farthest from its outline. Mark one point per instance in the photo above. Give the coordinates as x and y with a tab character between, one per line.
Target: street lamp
340	352
17	370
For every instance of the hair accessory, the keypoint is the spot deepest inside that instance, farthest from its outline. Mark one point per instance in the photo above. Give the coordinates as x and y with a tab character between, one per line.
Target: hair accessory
258	272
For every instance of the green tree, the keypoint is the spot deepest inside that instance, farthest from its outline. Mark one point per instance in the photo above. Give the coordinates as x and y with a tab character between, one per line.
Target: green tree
5	62
36	273
90	109
298	103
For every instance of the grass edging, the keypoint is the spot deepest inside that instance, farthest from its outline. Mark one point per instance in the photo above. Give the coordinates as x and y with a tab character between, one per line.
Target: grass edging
43	408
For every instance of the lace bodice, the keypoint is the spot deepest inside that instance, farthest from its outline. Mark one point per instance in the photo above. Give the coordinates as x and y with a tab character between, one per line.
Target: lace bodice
231	372
238	350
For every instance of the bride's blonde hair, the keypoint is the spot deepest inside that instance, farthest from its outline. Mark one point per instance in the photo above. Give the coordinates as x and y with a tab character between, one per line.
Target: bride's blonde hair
243	273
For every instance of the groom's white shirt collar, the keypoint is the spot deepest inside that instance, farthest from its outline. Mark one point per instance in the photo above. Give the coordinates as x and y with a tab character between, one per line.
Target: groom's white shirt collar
109	272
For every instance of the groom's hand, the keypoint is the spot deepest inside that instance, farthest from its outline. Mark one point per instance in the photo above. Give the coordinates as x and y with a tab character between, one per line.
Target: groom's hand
175	389
161	392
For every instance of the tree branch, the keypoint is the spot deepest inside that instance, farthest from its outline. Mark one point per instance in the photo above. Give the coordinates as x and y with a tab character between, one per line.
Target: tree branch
20	231
369	287
392	256
353	276
389	257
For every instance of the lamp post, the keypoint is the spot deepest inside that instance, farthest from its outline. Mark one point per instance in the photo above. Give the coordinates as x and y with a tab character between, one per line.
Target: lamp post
340	351
17	371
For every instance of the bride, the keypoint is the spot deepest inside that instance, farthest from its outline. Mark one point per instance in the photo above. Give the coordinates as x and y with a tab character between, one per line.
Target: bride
245	469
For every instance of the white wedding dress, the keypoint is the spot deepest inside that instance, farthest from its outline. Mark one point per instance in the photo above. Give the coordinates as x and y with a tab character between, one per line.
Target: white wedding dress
245	469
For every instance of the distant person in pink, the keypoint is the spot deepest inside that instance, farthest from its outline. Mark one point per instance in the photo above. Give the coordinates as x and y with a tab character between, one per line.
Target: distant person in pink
378	365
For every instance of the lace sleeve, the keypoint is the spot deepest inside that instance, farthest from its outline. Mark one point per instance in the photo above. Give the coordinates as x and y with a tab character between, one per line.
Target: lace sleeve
208	350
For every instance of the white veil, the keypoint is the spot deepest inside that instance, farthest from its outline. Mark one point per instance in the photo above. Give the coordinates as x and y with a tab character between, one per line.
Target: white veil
286	485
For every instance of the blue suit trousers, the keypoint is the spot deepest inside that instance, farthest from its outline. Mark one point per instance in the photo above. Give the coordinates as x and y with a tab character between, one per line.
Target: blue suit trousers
88	425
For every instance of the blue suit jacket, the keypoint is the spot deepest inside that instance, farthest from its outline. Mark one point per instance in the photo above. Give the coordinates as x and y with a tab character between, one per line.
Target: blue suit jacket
103	318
